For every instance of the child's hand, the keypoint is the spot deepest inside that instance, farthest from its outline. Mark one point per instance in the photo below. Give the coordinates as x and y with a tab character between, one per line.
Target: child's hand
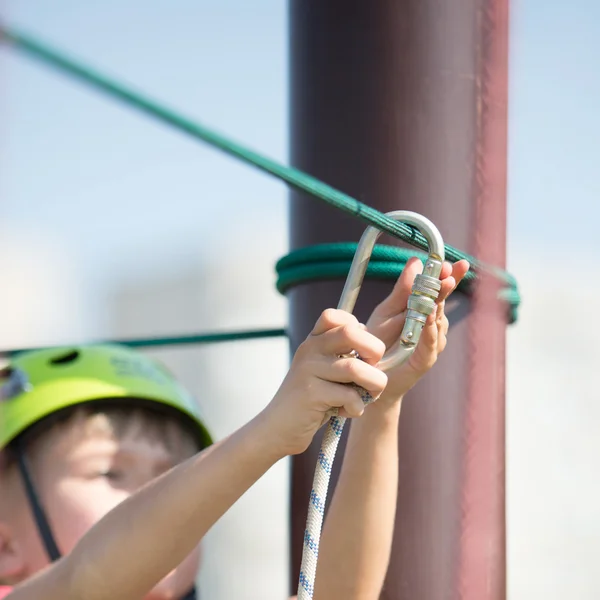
315	381
387	321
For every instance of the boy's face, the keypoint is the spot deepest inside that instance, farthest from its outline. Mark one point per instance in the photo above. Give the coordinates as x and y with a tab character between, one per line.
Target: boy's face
81	472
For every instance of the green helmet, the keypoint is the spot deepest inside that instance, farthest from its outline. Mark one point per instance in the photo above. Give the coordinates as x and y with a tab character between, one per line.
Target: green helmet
38	383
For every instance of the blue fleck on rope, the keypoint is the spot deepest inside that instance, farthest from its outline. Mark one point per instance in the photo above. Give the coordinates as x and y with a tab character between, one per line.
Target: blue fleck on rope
318	495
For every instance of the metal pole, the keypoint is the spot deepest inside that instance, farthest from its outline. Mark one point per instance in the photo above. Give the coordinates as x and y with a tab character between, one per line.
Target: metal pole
402	103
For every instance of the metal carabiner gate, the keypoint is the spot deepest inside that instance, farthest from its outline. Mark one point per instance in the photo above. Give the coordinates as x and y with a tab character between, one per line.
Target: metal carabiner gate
425	290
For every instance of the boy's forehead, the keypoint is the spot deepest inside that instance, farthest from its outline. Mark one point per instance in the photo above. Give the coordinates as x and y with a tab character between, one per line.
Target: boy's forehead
119	428
63	437
60	455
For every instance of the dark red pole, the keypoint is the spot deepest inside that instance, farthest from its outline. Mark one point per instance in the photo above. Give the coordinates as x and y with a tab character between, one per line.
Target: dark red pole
402	104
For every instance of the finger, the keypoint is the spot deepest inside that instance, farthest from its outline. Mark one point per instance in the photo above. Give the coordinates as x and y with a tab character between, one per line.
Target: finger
331	318
354	411
389	329
425	354
442	324
447	287
352	370
460	269
445	326
396	302
450	281
440	314
343	400
446	270
345	339
442	334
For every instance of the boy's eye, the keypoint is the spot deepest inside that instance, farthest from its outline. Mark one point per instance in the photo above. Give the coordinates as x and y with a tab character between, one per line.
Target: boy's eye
111	474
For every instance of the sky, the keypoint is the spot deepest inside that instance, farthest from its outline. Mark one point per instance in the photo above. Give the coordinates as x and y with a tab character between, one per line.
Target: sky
554	125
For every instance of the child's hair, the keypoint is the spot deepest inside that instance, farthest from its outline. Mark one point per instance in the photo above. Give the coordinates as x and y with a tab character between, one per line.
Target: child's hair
109	419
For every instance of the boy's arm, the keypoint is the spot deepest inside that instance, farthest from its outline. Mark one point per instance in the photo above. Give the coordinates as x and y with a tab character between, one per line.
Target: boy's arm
145	537
150	533
357	535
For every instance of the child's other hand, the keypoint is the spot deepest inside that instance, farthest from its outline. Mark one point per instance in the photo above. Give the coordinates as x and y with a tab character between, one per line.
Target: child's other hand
387	321
316	381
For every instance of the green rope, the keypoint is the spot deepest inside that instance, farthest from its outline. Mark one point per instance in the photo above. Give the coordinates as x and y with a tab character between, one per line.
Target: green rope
295	178
199	338
328	261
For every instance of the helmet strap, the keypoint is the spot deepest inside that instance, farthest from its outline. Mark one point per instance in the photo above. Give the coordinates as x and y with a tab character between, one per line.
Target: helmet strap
39	515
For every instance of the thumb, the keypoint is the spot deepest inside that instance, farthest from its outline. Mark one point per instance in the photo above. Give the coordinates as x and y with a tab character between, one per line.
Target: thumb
397	300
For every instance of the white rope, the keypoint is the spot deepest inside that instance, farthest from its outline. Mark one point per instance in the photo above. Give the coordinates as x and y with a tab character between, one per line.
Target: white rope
318	495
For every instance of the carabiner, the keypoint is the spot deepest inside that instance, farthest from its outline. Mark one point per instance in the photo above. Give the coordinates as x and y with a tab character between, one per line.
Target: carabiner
425	290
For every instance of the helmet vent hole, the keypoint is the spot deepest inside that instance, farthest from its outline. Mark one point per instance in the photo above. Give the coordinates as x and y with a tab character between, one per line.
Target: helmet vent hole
65	359
5	372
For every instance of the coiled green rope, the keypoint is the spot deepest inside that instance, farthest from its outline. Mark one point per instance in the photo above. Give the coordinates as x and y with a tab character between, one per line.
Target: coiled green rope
332	261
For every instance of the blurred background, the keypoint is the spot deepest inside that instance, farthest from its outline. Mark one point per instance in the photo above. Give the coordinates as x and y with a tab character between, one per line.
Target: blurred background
113	225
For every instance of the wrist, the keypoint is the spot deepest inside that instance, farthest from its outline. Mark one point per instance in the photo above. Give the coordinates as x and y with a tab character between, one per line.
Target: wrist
378	423
389	401
267	439
385	409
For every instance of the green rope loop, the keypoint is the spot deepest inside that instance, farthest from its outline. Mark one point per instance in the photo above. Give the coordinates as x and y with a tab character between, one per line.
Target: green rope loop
332	261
